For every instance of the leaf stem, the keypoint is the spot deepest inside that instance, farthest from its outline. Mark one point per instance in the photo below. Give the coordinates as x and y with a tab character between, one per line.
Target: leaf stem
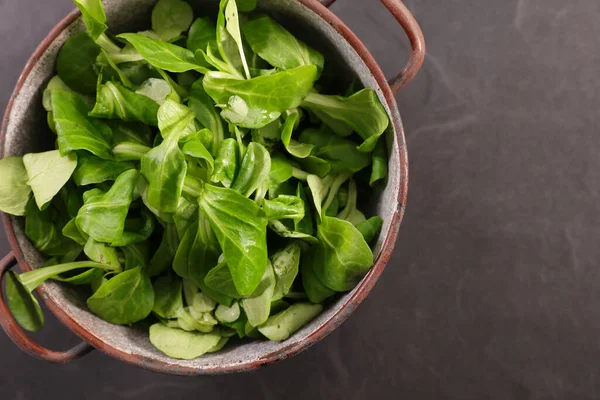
192	186
107	44
128	151
299	174
33	279
119	58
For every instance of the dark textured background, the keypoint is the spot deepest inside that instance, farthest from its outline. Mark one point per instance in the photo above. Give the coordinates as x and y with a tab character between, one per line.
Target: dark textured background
493	292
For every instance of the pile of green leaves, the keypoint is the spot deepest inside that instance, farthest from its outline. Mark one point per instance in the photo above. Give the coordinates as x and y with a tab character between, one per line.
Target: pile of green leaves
200	182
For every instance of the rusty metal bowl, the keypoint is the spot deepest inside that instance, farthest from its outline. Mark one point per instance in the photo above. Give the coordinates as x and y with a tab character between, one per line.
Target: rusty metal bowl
24	130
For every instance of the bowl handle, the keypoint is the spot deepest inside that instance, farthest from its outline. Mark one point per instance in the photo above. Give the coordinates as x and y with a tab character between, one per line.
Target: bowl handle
415	35
14	331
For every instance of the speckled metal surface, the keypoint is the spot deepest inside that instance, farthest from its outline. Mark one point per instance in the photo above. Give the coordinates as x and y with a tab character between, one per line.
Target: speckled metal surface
21	134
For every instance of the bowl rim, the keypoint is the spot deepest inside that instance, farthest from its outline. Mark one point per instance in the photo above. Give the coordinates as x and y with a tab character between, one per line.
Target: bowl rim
345	309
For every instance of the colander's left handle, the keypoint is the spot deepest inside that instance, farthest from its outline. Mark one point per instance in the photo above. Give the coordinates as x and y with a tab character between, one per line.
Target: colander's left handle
18	336
415	36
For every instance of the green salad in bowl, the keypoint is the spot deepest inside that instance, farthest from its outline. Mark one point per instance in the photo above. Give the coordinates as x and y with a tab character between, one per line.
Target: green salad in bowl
202	182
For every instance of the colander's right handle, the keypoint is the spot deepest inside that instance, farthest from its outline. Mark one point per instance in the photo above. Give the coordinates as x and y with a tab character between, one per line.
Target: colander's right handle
415	35
14	331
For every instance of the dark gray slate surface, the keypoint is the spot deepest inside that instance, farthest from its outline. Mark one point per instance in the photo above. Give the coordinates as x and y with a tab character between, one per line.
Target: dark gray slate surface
494	290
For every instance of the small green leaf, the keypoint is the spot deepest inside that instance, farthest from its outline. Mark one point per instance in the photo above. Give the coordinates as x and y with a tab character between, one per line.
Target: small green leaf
170	18
23	306
194	148
196	254
331	204
142	189
333	207
226	163
92	170
101	253
281	171
163	55
176	119
282	230
227	45
305	225
14	190
228	314
362	113
259	101
45	233
379	170
350	213
137	230
75	63
181	262
202	303
136	255
258	306
124	299
157	89
340	153
163	258
219	279
268	136
241	229
71	231
131	132
76	130
254	170
110	70
277	46
295	148
48	172
213	62
93	15
164	168
232	25
114	101
207	113
204	253
370	228
103	216
281	326
246	5
180	344
316	291
284	207
319	189
342	257
286	263
53	84
167	296
178	92
202	34
315	165
185	216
